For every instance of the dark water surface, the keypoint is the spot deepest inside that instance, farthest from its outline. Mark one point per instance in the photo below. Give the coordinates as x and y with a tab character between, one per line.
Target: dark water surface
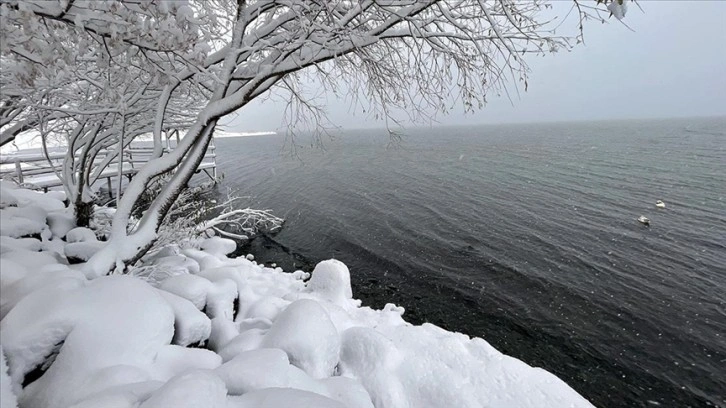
525	235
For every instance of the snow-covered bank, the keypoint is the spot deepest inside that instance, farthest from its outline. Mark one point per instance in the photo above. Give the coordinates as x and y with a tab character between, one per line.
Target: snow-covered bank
194	328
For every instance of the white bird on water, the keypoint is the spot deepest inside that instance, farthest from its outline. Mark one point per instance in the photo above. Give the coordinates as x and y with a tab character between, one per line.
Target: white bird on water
660	204
643	220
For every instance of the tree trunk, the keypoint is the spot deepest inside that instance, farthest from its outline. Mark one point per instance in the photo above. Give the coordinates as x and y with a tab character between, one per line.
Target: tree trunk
83	212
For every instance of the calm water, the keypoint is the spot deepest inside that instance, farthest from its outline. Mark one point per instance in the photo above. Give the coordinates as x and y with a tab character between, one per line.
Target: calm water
525	235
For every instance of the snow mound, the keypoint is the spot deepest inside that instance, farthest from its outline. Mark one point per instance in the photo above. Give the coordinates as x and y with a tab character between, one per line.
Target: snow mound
7	397
44	201
173	360
32	260
218	246
80	234
369	356
7	198
59	195
83	250
46	277
178	261
242	373
10	272
428	366
9	244
16	227
281	398
198	389
105	334
223	331
123	396
221	299
191	287
331	281
60	222
190	325
268	307
304	331
30	212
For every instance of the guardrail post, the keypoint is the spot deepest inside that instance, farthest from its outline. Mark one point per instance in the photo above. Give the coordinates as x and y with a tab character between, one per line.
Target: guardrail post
19	171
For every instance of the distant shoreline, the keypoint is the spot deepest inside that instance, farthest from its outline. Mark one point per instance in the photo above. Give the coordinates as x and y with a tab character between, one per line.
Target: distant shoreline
221	134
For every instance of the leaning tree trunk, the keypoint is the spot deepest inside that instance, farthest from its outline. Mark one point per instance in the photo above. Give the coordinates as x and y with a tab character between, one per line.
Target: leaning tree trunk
125	249
162	204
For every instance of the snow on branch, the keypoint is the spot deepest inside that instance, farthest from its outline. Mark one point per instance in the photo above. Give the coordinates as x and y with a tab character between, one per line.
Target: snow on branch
195	214
127	67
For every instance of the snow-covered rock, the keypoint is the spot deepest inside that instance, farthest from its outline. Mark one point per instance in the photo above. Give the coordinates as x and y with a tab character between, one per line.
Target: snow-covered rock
197	389
45	201
222	299
7	198
80	234
60	222
45	277
190	325
31	212
9	244
15	226
348	391
223	331
281	398
32	260
122	396
372	358
83	250
7	396
331	281
10	272
267	307
224	273
304	331
218	246
247	340
175	360
242	373
178	261
105	334
191	287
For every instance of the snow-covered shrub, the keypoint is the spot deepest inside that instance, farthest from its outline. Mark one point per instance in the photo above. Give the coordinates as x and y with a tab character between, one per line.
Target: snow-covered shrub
196	214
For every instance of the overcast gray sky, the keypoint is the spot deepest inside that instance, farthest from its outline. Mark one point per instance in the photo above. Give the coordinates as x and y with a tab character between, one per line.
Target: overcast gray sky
673	65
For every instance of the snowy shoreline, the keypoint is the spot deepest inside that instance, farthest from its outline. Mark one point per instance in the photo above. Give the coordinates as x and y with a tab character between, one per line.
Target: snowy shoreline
191	327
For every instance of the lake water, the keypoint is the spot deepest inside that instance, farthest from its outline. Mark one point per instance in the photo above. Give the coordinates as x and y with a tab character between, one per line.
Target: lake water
526	236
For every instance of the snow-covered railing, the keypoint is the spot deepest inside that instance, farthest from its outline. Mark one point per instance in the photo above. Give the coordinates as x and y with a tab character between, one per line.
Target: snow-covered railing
36	168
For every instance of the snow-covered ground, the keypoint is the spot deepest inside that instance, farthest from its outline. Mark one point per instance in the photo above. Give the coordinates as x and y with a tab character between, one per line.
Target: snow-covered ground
194	328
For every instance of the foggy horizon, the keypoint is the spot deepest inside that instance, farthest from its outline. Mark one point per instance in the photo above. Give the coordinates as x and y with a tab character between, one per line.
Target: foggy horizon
381	126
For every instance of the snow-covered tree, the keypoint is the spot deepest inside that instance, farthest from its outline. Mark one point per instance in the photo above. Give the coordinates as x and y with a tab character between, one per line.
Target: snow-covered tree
97	64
